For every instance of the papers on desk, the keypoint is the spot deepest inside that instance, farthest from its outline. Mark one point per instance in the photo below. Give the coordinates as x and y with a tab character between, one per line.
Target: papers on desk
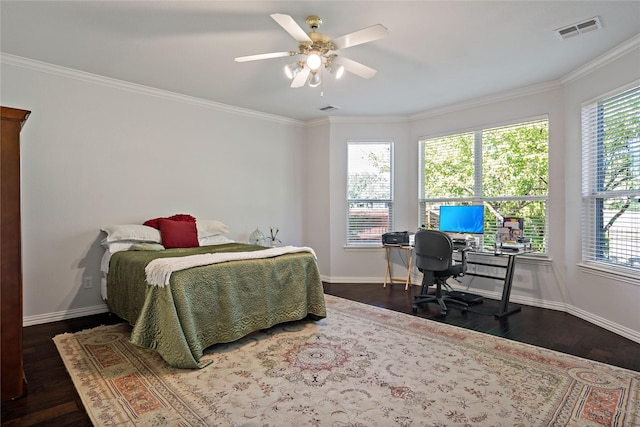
510	248
513	247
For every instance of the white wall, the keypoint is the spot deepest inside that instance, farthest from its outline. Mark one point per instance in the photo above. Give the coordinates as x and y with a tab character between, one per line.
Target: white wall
317	196
610	300
554	281
97	152
535	280
366	264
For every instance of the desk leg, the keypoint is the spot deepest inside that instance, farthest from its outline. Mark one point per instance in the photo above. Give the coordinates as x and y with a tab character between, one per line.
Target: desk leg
408	259
506	290
387	273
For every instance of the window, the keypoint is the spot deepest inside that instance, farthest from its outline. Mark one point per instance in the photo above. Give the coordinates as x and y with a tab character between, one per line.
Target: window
505	169
611	181
369	192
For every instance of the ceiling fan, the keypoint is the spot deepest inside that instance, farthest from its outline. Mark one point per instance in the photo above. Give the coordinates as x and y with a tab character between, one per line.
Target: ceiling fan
318	51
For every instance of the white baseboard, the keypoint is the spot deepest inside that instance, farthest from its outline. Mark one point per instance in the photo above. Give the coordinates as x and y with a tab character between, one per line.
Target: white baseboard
605	324
515	299
574	311
351	279
560	306
552	305
64	315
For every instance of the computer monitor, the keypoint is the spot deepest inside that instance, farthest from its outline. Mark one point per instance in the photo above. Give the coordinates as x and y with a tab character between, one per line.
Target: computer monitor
462	219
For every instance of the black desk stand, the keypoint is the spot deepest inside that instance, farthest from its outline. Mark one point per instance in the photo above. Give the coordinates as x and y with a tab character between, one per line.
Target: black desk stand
506	290
508	281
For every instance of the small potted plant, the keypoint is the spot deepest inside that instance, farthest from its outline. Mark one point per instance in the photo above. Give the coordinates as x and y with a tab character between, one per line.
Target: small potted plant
273	236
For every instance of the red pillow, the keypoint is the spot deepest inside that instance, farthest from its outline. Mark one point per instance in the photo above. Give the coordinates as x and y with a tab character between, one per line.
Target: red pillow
178	234
177	217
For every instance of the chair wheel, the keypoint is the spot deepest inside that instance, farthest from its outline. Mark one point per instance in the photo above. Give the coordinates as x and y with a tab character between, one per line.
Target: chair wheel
414	310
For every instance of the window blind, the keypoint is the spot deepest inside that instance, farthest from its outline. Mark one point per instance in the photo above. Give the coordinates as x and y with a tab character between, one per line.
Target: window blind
611	181
369	192
505	169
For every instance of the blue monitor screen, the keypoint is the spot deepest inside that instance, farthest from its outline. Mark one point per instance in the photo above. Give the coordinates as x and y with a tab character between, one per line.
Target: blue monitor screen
462	219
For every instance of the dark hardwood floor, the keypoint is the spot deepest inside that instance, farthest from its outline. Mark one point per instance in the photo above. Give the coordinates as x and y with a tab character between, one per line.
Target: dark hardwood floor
532	325
53	401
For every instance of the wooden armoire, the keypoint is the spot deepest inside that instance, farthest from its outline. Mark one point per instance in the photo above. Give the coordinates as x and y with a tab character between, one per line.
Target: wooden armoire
12	373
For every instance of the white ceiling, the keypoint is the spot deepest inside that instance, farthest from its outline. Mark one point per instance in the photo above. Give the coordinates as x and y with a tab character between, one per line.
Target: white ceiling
437	53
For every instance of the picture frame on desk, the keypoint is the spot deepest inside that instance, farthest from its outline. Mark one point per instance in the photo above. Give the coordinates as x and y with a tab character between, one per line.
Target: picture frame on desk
513	223
503	234
514	226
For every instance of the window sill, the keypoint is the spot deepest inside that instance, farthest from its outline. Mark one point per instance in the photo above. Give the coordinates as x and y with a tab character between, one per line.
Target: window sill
362	247
611	273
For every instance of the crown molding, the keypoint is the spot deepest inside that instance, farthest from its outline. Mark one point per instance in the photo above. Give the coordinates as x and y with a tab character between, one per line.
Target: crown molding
356	119
84	76
317	122
369	119
610	56
504	96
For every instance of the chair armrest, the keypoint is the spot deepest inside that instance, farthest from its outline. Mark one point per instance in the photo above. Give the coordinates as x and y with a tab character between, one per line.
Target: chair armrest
463	258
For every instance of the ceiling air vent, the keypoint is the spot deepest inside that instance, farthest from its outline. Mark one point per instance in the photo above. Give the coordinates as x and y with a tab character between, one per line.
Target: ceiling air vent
329	108
579	28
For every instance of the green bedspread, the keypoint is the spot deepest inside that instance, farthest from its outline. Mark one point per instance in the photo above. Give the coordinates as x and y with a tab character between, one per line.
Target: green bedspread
211	304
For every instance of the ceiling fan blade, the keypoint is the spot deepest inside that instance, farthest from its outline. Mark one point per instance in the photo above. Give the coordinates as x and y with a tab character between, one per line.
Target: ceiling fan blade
366	35
264	56
291	27
301	78
356	67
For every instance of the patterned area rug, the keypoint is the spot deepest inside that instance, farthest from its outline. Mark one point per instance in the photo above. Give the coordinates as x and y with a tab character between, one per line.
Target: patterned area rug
362	365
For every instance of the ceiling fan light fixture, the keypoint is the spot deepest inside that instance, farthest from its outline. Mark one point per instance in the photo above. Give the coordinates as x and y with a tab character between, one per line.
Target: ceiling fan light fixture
292	70
317	51
337	70
314	60
314	80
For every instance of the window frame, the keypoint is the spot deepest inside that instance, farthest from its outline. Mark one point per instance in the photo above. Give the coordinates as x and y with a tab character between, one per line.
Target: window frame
368	243
594	195
478	196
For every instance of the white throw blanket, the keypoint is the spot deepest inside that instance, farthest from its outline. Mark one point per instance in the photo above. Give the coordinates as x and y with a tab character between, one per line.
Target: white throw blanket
159	270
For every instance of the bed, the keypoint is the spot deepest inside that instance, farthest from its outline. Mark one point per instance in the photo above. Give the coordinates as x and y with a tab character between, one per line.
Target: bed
247	288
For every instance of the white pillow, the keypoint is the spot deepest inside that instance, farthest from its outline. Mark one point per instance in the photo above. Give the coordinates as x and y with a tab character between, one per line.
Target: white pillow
122	245
214	240
140	233
210	227
146	246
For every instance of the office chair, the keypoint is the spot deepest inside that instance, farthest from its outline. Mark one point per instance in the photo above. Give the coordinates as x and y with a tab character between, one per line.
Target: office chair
434	258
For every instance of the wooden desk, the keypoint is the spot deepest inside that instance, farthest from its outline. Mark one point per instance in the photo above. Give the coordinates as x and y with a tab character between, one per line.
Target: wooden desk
408	258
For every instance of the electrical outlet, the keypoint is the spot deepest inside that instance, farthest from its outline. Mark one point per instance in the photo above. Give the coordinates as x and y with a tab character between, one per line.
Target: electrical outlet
88	282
